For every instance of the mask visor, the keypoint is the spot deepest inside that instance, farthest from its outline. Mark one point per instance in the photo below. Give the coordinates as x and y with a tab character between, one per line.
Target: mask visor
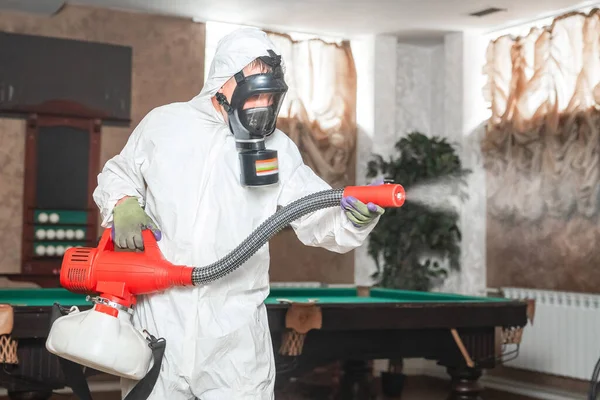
259	113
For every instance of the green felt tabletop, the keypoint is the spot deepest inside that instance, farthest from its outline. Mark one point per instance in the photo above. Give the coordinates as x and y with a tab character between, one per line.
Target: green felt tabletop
47	297
377	295
41	297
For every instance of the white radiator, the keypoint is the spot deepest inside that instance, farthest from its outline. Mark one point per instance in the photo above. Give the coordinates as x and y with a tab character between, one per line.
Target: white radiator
565	336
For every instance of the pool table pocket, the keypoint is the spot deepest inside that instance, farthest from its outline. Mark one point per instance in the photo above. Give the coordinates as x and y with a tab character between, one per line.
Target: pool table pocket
299	320
8	346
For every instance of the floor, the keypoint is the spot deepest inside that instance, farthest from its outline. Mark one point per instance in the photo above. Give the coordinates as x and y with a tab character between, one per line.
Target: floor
417	388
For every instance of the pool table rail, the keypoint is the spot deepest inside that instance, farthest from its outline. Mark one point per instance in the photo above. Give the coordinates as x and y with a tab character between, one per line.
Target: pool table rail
385	316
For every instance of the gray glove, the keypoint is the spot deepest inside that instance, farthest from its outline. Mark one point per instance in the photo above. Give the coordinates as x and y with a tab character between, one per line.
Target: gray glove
129	218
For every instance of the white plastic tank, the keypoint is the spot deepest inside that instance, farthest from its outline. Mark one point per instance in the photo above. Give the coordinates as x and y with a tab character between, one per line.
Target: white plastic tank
101	341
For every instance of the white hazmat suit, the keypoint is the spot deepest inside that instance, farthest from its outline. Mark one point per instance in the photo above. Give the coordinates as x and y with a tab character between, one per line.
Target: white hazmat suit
181	162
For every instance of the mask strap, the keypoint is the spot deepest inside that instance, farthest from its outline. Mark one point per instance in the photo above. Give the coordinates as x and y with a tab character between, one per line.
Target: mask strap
239	77
223	101
272	59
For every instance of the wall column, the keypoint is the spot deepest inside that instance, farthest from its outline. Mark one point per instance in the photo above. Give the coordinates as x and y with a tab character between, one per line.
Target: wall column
375	58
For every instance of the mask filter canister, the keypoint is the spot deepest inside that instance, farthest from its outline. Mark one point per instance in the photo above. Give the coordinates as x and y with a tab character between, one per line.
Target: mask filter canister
258	167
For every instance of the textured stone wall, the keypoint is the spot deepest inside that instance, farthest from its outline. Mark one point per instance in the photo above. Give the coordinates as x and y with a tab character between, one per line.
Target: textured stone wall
464	113
435	93
168	66
12	155
415	88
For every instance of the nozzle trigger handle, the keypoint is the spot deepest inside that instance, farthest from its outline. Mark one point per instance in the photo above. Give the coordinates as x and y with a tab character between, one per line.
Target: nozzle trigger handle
150	244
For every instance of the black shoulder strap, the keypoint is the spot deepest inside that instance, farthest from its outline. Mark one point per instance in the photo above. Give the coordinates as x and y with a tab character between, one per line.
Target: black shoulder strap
75	377
142	389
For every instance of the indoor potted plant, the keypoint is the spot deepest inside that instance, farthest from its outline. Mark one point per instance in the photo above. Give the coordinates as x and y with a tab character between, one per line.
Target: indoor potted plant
410	244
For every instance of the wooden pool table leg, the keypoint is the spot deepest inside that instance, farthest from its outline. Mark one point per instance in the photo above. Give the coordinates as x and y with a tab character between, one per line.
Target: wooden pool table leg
356	382
43	395
465	383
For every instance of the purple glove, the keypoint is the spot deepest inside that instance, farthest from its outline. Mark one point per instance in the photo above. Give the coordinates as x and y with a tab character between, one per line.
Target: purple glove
359	213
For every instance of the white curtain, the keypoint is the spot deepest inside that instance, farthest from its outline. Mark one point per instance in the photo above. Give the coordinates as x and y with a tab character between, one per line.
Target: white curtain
319	112
542	147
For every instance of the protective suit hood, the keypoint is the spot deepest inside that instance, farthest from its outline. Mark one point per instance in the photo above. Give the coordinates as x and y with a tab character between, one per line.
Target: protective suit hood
234	52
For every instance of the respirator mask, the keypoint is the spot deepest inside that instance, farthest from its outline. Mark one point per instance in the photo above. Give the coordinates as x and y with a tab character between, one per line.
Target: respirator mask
252	115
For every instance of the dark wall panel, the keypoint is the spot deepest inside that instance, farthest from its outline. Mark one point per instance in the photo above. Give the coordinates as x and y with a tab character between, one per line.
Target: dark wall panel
62	168
38	69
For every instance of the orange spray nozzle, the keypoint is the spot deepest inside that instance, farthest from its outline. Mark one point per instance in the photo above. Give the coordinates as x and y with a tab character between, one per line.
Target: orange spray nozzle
387	195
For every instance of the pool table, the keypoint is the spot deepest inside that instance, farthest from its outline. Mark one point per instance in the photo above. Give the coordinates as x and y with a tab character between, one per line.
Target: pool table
310	327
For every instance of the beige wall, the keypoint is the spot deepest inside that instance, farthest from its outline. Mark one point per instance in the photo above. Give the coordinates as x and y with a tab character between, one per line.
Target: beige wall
552	254
168	66
291	261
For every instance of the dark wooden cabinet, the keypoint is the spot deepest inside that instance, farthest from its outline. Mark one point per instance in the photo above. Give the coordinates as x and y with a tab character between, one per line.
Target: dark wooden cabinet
61	164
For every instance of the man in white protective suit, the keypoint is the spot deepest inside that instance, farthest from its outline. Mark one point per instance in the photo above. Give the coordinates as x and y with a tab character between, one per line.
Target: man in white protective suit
179	175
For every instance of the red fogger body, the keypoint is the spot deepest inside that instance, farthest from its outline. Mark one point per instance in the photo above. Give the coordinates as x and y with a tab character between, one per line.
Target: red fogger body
119	275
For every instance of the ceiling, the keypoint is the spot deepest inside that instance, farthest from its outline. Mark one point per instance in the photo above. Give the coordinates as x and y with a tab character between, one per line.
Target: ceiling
345	18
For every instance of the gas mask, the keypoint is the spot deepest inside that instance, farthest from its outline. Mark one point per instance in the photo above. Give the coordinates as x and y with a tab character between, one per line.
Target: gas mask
252	115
